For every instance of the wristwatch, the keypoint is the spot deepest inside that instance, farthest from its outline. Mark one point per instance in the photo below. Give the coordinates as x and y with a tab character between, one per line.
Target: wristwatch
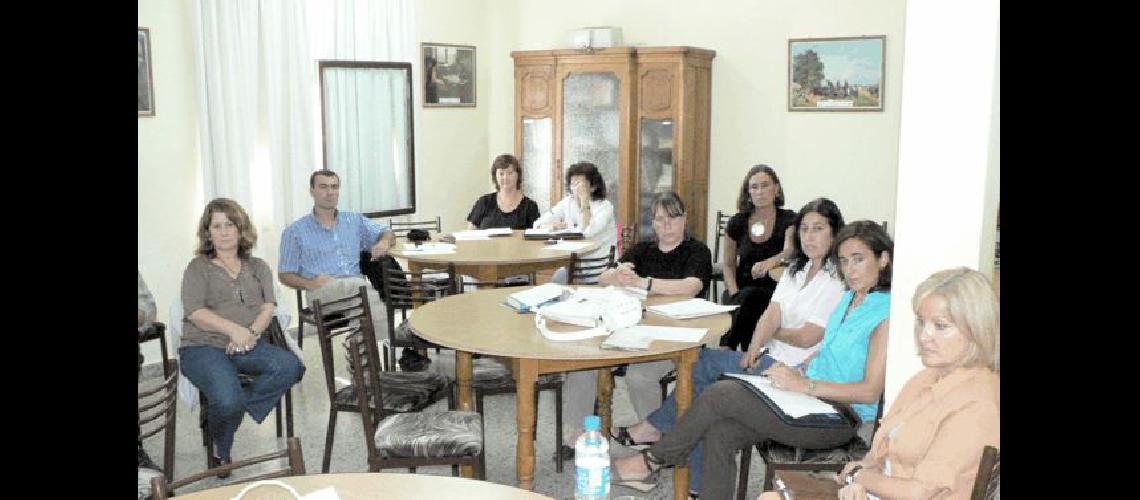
850	478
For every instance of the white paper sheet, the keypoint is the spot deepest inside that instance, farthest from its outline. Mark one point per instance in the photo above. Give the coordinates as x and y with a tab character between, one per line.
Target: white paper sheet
430	248
688	309
638	337
471	235
567	245
795	404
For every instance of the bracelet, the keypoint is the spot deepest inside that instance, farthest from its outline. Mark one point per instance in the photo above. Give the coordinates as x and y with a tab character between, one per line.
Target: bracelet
811	386
648	284
850	478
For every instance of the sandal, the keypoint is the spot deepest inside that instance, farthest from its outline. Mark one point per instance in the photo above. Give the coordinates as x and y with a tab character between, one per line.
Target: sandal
644	484
623	438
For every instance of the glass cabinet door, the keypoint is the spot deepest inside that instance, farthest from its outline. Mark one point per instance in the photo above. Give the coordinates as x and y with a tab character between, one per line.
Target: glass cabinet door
590	127
656	169
537	160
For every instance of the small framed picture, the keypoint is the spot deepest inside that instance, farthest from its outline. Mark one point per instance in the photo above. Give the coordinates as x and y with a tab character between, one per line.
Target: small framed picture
836	74
449	75
146	78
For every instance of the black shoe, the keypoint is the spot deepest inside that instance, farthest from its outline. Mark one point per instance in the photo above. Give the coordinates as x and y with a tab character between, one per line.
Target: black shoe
412	361
220	462
567	452
145	462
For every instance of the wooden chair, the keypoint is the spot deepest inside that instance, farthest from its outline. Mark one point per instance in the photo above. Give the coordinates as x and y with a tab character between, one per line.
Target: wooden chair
158	409
415	439
275	336
408	391
585	271
489	377
780	457
717	265
163	489
407	290
988	481
401	227
305	314
156	331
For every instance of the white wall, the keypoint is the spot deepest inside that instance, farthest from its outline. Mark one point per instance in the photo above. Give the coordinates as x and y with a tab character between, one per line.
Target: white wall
848	157
169	176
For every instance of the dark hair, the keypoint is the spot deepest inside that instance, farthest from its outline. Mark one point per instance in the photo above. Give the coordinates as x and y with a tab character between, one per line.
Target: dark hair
235	214
322	172
668	200
591	173
744	202
876	238
506	161
826	209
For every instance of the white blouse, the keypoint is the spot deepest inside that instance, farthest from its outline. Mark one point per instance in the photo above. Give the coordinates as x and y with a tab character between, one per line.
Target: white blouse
800	304
602	228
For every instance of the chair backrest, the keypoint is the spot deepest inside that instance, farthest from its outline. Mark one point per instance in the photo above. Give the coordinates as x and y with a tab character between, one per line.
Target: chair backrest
989	475
369	393
401	227
585	271
409	289
157	331
721	223
353	316
162	489
158	407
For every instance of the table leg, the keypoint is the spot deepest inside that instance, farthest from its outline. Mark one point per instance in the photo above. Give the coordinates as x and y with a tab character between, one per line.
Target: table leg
684	393
605	397
463	379
415	267
525	378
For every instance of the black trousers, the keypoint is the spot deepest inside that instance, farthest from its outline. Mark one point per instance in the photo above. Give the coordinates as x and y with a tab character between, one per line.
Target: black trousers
753	300
729	417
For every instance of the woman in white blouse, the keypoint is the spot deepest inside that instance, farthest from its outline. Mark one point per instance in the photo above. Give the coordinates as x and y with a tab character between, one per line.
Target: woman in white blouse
585	210
788	334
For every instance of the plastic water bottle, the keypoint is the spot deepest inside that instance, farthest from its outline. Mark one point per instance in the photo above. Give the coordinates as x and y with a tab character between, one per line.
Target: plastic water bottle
592	462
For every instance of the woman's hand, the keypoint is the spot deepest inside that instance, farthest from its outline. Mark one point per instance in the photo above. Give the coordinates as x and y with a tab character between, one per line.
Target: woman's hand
241	341
748	361
842	477
786	378
760	269
853	491
557	226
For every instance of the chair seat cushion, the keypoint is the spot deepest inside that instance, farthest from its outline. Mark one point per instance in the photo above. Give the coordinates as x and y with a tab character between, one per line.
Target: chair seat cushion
145	476
443	434
775	452
489	375
403	391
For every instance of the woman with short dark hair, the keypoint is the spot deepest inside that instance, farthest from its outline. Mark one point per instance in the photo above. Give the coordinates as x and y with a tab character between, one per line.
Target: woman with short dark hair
585	209
507	206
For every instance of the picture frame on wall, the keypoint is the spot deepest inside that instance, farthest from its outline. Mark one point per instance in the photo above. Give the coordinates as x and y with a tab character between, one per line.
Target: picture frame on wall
836	74
449	75
146	75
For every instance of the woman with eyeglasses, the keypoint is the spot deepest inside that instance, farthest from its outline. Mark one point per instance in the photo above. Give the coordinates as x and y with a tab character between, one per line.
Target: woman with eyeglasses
758	238
227	294
674	263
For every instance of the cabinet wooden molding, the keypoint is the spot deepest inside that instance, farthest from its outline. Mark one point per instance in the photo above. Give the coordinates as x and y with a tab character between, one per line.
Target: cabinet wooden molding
641	114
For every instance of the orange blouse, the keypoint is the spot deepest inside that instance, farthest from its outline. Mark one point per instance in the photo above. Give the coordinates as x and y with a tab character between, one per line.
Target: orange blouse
936	429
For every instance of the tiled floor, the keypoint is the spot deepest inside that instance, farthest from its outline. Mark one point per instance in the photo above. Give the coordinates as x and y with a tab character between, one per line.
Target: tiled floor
311	417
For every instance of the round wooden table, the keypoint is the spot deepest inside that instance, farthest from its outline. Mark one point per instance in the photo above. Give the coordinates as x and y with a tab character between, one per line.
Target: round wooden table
494	258
478	322
350	486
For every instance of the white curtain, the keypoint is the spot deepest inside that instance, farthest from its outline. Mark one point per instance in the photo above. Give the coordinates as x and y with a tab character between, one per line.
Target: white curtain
257	77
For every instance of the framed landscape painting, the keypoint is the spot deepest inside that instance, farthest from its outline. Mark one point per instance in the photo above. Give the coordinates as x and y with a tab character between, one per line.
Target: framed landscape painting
836	74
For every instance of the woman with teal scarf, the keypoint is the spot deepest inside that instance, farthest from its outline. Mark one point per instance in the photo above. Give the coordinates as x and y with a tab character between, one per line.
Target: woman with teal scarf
849	367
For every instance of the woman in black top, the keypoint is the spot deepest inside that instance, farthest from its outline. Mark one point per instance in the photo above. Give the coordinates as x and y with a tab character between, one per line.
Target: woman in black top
507	206
759	235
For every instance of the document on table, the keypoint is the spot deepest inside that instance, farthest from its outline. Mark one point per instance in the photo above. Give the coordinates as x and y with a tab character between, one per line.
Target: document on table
795	404
481	234
429	248
688	309
638	337
567	245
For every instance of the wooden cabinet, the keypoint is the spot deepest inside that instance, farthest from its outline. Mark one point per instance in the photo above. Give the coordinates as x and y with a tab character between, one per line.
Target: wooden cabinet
641	114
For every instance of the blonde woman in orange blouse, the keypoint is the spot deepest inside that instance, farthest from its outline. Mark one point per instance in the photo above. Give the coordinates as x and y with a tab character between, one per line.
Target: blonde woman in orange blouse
930	442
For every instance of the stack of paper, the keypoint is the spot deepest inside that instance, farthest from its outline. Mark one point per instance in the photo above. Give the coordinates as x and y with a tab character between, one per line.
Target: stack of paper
638	337
688	309
529	299
481	234
567	245
795	404
429	248
541	233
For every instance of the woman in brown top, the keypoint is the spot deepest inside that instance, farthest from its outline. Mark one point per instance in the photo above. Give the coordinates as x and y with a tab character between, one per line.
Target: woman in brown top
930	442
228	298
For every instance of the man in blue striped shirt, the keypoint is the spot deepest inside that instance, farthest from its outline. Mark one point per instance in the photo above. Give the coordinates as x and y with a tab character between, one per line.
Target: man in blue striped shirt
320	252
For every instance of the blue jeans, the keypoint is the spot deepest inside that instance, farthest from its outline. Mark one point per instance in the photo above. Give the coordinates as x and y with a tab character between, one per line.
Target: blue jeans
215	373
711	364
